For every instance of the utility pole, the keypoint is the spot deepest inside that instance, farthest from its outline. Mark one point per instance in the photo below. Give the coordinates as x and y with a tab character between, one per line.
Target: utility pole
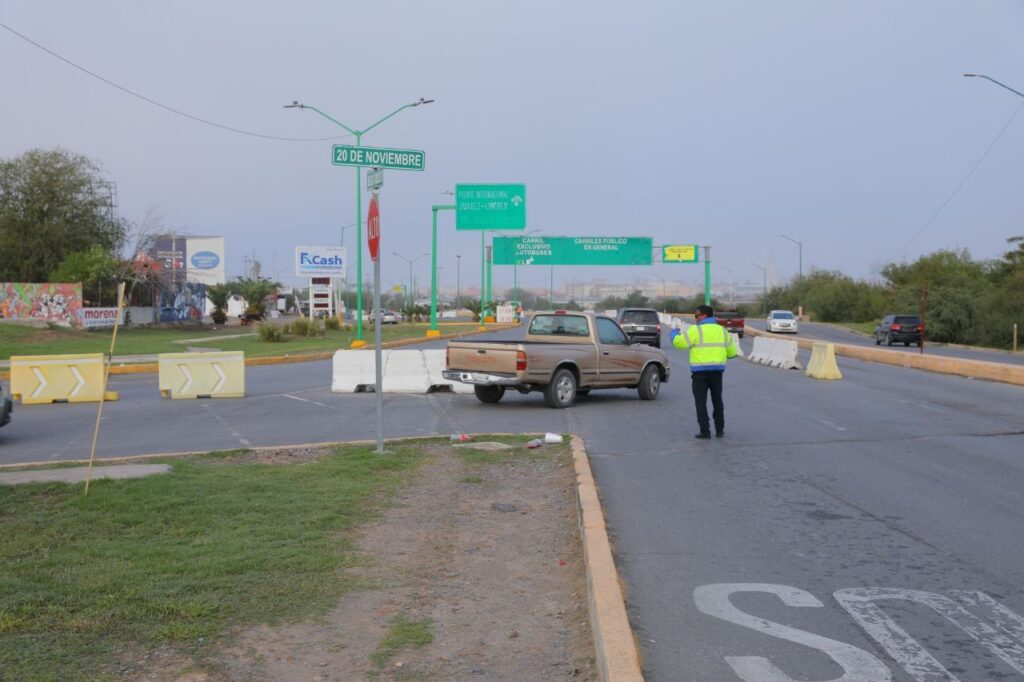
458	282
707	275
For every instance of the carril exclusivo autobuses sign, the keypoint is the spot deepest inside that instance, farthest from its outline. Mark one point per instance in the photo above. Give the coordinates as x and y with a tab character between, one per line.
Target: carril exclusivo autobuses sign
320	261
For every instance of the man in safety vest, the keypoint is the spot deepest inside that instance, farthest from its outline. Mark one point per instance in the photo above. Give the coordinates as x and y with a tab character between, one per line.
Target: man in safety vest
710	346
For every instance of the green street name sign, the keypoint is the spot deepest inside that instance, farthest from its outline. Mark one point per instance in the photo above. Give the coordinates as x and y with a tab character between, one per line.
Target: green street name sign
679	253
395	159
572	250
490	207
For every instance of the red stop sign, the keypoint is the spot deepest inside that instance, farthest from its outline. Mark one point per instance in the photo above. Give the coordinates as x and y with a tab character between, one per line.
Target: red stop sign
373	228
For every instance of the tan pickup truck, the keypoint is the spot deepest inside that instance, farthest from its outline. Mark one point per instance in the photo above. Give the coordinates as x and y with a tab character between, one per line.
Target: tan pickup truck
564	354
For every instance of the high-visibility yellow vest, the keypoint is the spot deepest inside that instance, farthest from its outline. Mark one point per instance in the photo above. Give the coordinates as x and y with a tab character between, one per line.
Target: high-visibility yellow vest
709	343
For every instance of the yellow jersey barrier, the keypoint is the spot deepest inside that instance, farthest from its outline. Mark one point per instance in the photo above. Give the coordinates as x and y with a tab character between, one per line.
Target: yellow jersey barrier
43	379
202	375
823	362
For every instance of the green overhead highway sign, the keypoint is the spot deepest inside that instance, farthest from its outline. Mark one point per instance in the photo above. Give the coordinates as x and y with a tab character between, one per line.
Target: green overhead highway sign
395	159
572	250
490	207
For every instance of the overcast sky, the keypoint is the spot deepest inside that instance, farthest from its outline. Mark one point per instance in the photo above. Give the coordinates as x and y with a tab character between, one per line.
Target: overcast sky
844	125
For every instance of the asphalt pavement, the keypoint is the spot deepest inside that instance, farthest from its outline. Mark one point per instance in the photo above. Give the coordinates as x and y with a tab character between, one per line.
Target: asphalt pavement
868	527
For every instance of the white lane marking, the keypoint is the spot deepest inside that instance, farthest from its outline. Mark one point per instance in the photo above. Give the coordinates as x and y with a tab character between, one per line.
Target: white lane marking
295	397
1000	616
919	664
220	420
860	603
858	665
188	379
221	381
42	382
79	378
832	424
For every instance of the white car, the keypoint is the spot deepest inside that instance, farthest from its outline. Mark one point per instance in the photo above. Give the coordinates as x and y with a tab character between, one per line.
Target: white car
386	317
782	321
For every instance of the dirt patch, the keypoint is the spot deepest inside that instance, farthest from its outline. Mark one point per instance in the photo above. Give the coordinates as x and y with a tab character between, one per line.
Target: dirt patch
483	548
285	456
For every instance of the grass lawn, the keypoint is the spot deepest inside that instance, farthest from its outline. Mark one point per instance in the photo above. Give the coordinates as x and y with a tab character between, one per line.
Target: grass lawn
221	542
862	327
23	340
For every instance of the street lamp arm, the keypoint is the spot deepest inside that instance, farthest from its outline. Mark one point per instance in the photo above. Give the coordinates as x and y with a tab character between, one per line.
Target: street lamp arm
297	105
791	240
401	108
993	80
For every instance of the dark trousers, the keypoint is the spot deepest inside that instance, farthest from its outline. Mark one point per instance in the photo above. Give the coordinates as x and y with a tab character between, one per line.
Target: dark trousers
703	382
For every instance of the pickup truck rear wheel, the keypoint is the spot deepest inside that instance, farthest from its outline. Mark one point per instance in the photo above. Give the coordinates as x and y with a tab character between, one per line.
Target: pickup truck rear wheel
561	392
489	394
650	383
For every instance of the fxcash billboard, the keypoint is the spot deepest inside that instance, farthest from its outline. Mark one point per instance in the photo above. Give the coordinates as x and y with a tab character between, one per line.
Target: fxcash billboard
320	261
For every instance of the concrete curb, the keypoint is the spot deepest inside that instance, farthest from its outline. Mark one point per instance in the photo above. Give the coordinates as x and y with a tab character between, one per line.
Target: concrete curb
153	368
618	659
973	369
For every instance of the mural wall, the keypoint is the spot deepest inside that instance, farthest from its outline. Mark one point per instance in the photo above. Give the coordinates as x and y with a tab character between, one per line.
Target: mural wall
182	302
58	303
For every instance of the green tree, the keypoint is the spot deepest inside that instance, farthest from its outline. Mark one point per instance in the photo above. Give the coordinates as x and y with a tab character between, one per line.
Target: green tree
98	271
53	203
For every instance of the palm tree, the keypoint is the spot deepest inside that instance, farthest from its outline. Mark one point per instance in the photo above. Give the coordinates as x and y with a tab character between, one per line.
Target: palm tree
218	295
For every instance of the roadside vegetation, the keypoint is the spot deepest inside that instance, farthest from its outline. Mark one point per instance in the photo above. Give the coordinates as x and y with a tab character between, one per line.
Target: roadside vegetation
963	300
224	541
24	340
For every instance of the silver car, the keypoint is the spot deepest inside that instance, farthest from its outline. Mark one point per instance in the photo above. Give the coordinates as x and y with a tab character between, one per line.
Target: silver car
782	321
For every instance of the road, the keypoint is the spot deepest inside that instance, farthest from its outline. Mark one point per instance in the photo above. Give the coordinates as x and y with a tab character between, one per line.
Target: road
867	527
836	334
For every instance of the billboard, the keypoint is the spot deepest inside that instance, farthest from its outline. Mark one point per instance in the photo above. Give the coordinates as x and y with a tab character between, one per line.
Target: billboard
320	261
204	260
99	318
50	302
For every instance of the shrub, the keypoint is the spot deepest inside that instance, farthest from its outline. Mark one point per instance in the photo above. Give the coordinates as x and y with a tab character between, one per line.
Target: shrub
332	324
305	326
271	332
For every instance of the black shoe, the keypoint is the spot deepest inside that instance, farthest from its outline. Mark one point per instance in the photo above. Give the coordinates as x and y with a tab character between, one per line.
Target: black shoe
702	435
719	434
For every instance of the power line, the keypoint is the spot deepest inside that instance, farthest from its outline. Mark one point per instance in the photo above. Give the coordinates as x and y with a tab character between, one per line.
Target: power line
148	100
963	182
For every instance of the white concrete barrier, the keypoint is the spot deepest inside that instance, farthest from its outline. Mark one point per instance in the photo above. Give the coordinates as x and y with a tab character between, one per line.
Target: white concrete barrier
760	351
783	354
736	343
405	371
352	371
435	361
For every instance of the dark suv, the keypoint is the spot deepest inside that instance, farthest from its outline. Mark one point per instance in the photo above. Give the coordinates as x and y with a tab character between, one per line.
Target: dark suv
899	328
6	406
642	325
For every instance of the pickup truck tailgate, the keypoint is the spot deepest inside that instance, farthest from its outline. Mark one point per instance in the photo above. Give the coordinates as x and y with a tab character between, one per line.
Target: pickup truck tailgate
482	357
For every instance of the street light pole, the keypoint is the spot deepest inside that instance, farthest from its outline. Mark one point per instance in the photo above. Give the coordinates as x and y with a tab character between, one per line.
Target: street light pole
412	291
993	80
800	277
458	283
359	342
764	294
